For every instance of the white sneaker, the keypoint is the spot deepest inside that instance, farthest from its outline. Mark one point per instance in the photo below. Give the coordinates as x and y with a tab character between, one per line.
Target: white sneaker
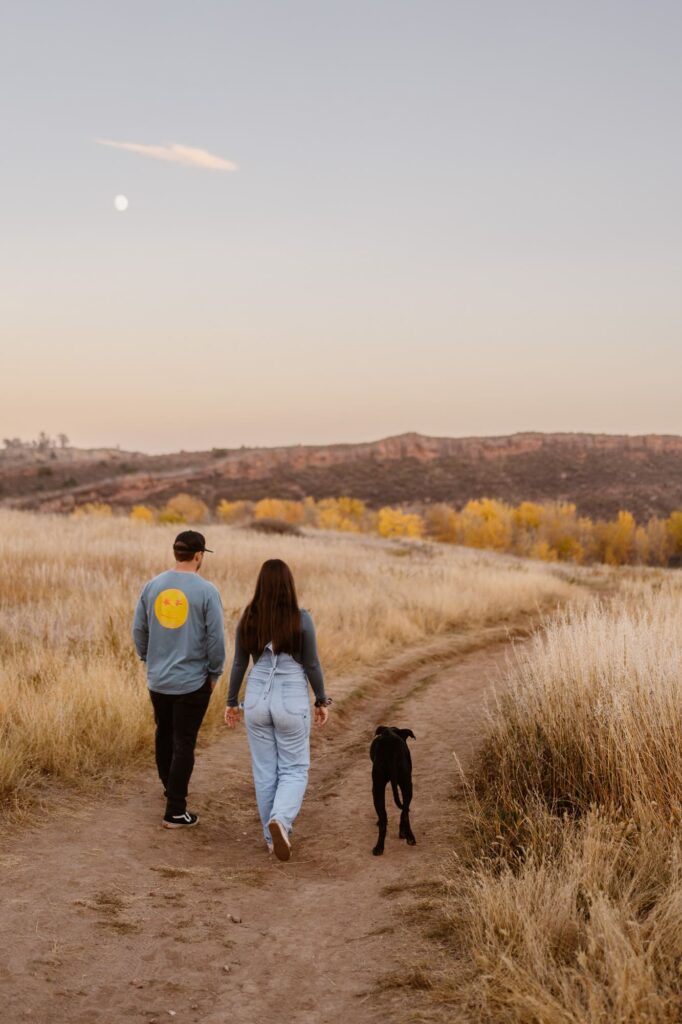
280	840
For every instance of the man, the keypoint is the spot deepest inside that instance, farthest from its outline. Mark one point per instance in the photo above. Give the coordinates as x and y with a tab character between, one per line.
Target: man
179	632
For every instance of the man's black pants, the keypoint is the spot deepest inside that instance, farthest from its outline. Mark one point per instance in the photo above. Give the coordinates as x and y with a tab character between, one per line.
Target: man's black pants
178	717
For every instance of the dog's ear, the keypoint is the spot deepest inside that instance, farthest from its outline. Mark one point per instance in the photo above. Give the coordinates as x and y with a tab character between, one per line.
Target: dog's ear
405	733
380	730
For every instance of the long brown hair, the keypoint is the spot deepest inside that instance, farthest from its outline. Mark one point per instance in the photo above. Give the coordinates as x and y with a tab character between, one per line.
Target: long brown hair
273	612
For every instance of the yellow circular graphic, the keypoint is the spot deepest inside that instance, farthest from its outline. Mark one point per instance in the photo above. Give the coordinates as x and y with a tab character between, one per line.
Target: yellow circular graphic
171	608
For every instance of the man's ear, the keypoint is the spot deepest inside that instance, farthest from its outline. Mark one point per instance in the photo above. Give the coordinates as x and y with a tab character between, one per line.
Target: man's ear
405	733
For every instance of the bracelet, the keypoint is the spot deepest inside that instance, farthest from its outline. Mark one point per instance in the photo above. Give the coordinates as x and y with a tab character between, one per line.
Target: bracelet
323	702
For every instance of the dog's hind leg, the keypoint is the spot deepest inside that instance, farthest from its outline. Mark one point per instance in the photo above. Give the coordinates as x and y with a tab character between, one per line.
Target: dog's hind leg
405	829
379	795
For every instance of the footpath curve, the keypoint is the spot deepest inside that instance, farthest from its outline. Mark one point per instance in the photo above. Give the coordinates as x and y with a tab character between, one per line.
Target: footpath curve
106	918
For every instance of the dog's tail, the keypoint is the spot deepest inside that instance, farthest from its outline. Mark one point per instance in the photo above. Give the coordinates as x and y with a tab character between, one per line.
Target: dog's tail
394	787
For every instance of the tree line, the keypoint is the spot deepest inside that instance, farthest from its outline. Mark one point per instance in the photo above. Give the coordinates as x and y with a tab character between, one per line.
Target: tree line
551	531
42	443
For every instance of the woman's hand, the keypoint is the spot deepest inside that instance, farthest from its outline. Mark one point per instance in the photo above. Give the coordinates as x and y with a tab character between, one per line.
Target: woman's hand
232	717
321	716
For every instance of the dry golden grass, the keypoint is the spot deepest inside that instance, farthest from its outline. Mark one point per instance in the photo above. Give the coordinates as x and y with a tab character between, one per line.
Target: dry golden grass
569	910
73	702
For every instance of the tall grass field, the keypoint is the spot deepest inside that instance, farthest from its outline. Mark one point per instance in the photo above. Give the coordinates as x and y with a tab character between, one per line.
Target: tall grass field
568	909
73	700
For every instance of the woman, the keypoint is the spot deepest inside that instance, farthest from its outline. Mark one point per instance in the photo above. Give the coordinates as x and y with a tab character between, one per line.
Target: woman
281	639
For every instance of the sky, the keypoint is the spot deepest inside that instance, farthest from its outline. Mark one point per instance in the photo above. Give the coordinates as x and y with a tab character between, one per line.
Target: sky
346	219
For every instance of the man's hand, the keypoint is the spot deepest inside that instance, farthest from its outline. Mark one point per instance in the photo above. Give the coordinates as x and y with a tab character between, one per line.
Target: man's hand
232	717
321	716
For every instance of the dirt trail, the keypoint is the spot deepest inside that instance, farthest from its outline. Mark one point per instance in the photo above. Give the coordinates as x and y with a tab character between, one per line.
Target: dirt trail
106	917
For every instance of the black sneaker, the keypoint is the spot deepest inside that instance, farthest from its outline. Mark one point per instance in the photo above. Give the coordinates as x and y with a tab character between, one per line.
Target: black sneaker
185	820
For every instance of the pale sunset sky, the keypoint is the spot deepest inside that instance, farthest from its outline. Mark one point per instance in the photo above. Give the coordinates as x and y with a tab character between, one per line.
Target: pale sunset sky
347	219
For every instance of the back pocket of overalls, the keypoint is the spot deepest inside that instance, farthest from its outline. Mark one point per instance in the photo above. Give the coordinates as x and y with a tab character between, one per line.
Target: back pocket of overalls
254	691
295	698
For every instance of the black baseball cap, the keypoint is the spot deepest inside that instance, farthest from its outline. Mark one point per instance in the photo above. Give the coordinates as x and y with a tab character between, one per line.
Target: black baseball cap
190	541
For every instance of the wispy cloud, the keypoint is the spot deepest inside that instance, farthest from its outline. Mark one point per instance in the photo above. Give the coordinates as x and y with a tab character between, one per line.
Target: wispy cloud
177	154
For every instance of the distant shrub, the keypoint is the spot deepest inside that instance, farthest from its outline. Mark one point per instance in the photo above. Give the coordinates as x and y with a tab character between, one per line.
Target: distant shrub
167	515
440	523
275	526
92	508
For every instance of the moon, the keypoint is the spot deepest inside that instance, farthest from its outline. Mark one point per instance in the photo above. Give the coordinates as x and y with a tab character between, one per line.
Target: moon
121	203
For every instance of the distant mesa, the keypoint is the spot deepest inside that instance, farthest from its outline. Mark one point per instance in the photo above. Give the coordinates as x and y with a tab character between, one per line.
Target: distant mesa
600	473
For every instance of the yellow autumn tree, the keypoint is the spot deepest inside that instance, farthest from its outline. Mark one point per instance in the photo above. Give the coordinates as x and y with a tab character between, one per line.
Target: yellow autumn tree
183	508
233	511
569	549
352	510
674	528
616	539
395	523
623	536
340	514
142	514
294	512
565	533
277	508
542	550
661	541
528	515
526	519
486	524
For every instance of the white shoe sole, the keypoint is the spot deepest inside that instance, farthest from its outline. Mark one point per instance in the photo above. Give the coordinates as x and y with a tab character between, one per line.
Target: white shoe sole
280	843
179	824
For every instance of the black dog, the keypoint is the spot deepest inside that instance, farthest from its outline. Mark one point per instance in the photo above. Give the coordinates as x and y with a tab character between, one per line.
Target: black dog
391	762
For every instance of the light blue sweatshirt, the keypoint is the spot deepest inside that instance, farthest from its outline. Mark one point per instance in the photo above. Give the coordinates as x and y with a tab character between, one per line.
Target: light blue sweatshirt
179	632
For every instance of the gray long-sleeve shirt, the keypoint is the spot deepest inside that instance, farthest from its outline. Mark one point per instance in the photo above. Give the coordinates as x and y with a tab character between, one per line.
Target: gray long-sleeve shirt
179	631
307	657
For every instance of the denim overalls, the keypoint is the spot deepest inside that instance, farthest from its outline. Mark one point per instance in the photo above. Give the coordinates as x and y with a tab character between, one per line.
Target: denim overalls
277	717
